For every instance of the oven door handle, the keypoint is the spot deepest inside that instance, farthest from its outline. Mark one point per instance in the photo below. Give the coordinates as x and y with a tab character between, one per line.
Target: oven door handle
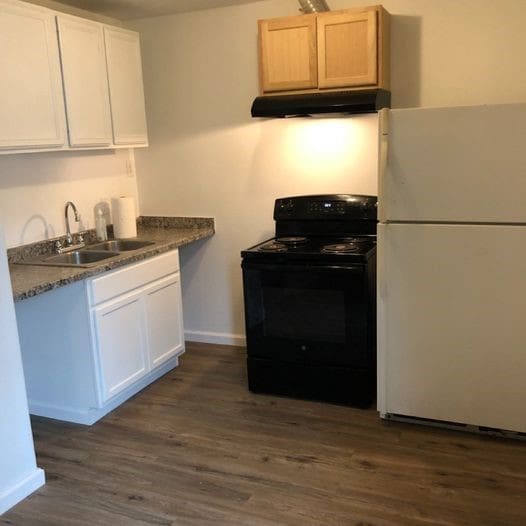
324	267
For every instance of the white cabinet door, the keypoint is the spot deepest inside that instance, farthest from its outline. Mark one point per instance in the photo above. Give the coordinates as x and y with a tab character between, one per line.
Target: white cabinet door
164	319
120	341
123	55
31	101
85	81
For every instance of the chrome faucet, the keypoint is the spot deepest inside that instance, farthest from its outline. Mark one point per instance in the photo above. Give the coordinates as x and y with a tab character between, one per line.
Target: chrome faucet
69	237
68	243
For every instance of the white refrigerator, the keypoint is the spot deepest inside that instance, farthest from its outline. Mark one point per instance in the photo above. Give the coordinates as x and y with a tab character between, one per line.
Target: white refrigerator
452	265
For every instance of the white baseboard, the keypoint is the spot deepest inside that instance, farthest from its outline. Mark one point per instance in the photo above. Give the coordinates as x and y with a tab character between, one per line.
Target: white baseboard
221	338
21	490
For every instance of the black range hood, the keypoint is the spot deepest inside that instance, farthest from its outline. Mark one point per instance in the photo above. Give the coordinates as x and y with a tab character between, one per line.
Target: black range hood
350	102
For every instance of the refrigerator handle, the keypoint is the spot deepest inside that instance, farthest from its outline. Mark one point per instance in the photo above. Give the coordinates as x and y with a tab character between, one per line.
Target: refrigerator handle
383	136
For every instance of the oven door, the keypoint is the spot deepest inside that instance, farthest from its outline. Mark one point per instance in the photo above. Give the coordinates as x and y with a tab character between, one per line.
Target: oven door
305	313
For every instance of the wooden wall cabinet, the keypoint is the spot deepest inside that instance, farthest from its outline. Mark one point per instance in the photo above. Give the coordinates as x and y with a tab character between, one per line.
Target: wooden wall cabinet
325	51
87	347
287	51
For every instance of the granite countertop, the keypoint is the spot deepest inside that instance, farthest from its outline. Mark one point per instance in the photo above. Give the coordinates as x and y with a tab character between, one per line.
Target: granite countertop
167	233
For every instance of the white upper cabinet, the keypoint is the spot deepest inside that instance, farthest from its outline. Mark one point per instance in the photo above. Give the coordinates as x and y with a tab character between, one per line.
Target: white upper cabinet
123	56
85	81
63	76
31	101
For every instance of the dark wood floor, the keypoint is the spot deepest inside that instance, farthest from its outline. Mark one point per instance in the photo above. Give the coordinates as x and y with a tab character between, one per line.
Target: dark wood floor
197	448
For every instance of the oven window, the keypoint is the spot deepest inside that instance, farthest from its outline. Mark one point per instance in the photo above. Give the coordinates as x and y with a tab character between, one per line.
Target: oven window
308	314
300	314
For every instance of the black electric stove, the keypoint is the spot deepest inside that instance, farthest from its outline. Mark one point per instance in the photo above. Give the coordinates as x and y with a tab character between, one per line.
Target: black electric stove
310	306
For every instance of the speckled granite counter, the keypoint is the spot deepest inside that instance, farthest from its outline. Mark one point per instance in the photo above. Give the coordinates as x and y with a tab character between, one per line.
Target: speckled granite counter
167	233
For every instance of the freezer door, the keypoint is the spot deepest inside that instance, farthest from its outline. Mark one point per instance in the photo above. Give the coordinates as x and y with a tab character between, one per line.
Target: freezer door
463	164
452	323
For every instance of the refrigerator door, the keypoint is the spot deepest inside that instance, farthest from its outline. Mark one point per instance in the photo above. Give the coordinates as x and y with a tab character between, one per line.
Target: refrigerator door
452	323
463	164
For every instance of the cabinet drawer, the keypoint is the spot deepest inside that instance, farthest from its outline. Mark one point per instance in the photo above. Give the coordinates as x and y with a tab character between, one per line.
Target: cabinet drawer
132	276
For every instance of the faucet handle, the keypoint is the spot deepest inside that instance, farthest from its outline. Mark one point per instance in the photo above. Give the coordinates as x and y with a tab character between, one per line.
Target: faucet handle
80	238
58	247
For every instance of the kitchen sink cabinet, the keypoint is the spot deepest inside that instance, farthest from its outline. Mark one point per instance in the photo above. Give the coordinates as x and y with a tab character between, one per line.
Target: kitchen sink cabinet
164	312
85	81
31	105
86	85
89	346
137	329
325	51
120	343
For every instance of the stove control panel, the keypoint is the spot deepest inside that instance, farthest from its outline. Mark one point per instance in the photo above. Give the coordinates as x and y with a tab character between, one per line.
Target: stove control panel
337	206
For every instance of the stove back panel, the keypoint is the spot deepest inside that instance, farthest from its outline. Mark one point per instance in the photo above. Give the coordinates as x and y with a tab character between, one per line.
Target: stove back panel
329	214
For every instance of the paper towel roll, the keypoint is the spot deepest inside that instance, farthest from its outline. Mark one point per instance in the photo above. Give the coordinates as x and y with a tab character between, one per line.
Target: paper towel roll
124	221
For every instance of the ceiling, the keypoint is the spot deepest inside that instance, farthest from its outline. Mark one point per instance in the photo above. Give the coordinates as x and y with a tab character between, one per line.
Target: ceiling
130	9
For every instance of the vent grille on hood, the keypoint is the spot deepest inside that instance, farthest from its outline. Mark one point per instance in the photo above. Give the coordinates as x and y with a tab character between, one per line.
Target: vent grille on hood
359	101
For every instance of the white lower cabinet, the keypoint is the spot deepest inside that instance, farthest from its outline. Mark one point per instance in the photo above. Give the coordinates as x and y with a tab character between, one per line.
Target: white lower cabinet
162	302
89	346
120	343
135	332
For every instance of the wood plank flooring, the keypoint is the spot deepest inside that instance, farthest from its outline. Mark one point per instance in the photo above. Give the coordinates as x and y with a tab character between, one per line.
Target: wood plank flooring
197	448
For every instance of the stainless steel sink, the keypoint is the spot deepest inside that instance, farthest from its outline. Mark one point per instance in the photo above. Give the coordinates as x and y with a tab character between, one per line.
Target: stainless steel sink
91	255
76	258
121	245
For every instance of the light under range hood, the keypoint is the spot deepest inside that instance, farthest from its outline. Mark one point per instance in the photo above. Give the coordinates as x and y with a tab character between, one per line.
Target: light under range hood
349	102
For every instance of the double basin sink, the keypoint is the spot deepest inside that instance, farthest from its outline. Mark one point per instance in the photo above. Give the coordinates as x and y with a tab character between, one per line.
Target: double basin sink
91	254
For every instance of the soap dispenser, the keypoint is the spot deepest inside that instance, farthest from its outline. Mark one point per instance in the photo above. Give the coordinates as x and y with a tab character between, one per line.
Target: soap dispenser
100	225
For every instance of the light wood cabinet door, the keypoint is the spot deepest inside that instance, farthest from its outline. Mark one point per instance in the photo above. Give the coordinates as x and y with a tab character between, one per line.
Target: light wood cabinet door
164	320
85	81
120	343
123	56
287	53
347	49
31	101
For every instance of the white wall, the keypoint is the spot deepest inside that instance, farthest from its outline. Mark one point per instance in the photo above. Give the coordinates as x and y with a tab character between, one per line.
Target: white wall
208	157
34	188
19	474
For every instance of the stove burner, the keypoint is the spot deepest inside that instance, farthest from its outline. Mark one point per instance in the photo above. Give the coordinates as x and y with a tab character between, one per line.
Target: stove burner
355	240
273	247
292	240
341	248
